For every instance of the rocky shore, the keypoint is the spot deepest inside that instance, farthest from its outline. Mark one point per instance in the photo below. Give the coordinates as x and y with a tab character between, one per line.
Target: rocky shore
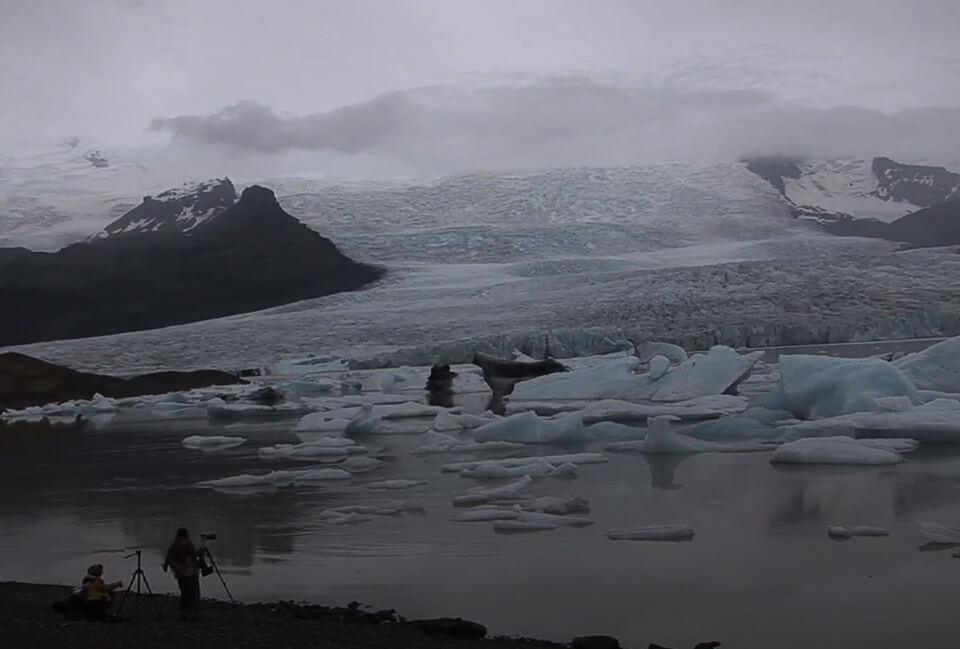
30	621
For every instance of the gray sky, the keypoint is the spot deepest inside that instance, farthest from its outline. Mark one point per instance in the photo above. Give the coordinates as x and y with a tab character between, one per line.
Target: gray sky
104	69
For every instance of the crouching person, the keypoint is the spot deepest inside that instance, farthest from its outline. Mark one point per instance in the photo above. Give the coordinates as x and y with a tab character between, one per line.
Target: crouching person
98	595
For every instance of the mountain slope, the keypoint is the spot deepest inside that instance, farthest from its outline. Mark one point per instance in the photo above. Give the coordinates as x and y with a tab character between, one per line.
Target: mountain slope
253	255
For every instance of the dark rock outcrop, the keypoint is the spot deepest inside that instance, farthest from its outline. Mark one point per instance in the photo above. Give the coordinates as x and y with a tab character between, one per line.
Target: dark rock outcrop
919	185
456	627
502	375
27	381
440	386
774	170
251	256
595	642
176	210
933	226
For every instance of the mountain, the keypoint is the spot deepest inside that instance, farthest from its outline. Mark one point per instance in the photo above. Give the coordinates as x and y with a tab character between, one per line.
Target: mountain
179	257
879	198
179	210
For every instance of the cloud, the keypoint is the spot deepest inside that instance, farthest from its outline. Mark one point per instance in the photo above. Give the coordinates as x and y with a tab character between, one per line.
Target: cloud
574	121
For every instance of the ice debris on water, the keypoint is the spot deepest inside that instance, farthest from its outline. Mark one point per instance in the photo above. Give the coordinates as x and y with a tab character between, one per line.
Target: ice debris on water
211	443
668	532
435	442
940	534
277	478
571	458
536	469
365	423
399	483
528	428
843	532
936	421
509	492
841	450
321	448
935	368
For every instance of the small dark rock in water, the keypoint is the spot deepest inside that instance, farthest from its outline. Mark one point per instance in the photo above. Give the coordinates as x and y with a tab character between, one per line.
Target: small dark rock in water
440	386
654	645
595	642
451	626
713	644
254	371
267	396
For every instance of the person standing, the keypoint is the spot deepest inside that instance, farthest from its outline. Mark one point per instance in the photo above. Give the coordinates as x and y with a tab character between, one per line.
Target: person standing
185	560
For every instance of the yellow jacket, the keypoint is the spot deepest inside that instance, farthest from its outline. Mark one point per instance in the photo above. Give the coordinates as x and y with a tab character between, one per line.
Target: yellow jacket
97	590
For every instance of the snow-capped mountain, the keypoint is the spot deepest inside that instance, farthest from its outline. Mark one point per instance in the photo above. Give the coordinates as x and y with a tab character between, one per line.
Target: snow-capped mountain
176	210
864	197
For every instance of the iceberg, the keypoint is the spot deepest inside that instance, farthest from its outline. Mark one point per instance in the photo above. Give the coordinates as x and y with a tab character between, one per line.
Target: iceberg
940	534
434	442
558	505
935	368
218	409
320	422
571	458
719	371
732	428
834	450
661	439
208	443
528	428
935	421
659	365
389	508
669	532
816	387
365	423
613	430
361	464
705	407
846	531
396	484
550	519
536	469
485	514
311	450
276	479
509	492
522	526
675	354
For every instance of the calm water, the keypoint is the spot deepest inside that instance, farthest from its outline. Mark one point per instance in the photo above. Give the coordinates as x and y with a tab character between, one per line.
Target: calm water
761	571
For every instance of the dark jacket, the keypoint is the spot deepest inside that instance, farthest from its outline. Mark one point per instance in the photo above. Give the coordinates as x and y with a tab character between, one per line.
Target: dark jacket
183	558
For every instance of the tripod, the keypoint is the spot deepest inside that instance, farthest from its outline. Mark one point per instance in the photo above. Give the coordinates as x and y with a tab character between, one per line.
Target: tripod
138	577
205	552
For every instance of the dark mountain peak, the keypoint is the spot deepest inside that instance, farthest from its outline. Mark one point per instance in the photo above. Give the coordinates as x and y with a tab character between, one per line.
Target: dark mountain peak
260	196
774	169
176	210
920	185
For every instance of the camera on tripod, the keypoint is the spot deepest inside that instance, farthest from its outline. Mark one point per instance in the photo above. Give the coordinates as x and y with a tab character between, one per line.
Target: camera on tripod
205	568
208	537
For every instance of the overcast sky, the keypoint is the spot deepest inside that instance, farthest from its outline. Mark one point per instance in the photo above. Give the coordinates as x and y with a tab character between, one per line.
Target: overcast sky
106	69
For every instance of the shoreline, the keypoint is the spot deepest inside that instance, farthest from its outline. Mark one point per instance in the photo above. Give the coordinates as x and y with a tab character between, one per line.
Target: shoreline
31	622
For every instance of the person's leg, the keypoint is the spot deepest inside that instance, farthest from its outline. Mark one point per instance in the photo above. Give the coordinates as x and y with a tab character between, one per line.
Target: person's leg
195	597
184	596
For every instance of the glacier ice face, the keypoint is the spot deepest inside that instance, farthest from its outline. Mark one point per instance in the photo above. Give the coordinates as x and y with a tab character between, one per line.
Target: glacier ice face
834	450
935	368
814	387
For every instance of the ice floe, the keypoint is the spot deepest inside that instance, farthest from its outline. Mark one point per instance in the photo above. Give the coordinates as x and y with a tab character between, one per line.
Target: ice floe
558	505
704	407
848	531
528	428
661	439
838	450
718	371
567	458
361	464
935	368
209	443
322	448
935	421
366	422
395	484
218	409
940	534
277	478
668	532
522	526
512	491
536	469
434	442
816	387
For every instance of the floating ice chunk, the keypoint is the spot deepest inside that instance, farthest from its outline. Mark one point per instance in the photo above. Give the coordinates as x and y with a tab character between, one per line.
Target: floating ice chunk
409	410
847	531
528	428
708	406
659	365
485	514
361	464
522	526
308	387
661	439
669	532
939	533
614	430
323	448
445	421
733	427
218	409
833	450
558	505
936	421
766	415
342	518
935	368
673	353
321	475
815	387
632	446
614	379
719	371
508	492
319	422
898	444
365	423
397	378
100	403
434	442
537	469
212	442
389	508
398	483
551	519
571	458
